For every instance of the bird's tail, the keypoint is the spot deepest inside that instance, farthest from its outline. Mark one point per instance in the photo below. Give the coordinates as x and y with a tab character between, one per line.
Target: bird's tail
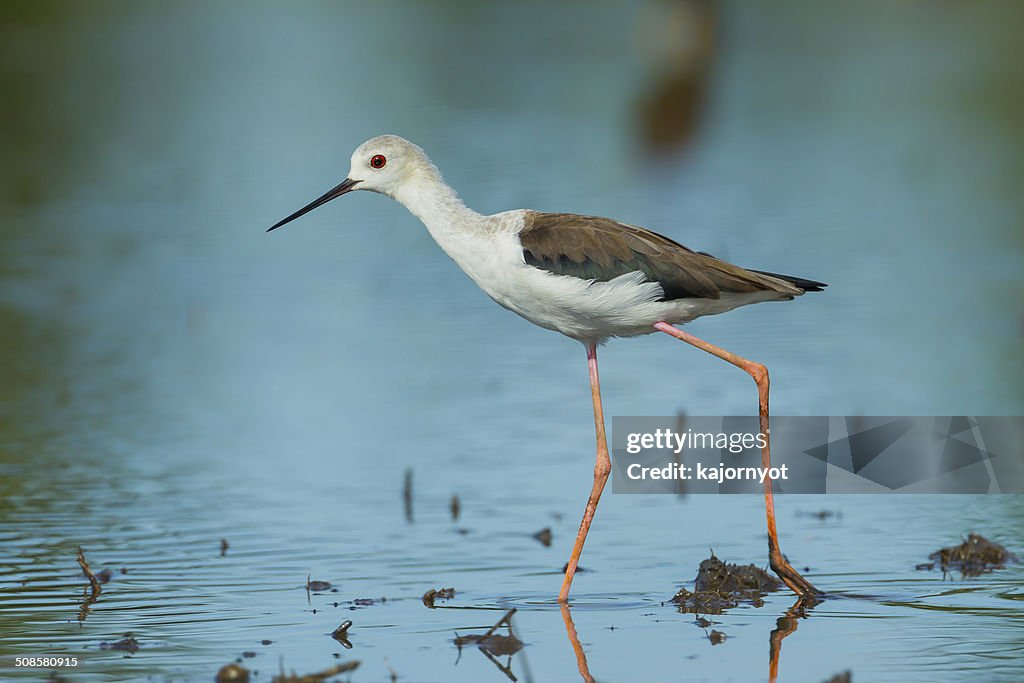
800	283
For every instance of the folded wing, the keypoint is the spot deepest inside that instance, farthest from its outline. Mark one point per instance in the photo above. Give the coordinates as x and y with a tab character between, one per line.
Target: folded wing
595	248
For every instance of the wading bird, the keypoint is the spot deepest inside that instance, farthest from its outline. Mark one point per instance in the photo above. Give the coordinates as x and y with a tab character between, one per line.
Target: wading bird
589	278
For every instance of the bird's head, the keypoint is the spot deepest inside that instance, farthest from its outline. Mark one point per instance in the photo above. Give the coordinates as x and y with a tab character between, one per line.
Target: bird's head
383	164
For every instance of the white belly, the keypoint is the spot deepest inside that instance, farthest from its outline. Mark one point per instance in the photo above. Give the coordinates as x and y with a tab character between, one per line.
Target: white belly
582	309
627	306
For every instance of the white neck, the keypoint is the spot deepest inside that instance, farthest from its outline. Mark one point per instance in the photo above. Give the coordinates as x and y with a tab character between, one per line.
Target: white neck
484	247
435	203
450	222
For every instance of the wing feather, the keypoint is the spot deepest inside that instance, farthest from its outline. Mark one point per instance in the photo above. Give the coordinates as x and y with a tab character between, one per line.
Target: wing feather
595	248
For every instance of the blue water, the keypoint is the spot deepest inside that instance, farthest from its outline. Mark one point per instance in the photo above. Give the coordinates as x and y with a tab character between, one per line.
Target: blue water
172	376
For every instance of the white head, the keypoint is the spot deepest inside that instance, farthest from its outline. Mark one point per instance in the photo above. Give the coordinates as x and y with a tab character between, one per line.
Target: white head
384	164
387	162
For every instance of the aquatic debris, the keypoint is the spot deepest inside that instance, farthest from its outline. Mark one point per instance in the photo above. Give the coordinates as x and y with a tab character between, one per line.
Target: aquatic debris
224	545
490	641
844	677
340	634
94	583
248	654
437	594
104	576
715	575
391	672
407	495
266	641
820	515
579	568
232	673
455	507
494	645
317	677
544	536
358	602
126	644
317	586
720	586
707	603
975	556
94	589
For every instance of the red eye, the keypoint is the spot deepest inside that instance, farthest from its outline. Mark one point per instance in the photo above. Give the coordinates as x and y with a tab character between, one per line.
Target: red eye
378	161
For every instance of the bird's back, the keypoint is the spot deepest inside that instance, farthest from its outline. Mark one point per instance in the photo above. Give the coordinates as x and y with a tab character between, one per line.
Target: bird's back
602	249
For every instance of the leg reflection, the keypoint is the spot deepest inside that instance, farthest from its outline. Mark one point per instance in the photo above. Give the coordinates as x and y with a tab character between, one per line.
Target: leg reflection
785	625
581	656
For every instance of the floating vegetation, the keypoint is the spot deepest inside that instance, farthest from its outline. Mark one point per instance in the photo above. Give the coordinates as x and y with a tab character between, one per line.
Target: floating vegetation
317	586
494	645
716	637
844	677
821	515
721	586
437	594
975	556
94	583
340	634
544	537
318	677
92	591
232	673
126	644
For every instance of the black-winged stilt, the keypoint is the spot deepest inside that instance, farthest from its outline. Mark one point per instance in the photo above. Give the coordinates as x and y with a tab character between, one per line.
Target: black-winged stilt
589	278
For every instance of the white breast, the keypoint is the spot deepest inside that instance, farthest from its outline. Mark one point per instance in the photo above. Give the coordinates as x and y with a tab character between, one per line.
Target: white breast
581	309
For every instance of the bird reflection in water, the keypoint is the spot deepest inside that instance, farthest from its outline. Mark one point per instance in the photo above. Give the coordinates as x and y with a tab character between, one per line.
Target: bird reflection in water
785	625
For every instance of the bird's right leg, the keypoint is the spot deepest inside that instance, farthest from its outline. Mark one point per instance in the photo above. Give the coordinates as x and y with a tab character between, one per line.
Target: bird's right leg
790	576
601	470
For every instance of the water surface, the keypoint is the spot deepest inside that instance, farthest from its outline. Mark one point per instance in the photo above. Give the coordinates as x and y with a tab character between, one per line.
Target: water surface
172	377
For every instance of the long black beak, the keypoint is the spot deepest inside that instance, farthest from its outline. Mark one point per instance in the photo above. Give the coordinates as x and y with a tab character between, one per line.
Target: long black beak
346	186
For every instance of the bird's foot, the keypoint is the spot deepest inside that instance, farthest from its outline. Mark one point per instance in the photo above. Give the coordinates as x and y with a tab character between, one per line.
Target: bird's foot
791	577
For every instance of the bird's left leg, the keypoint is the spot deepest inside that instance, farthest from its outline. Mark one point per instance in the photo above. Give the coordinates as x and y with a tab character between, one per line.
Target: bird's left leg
601	470
791	577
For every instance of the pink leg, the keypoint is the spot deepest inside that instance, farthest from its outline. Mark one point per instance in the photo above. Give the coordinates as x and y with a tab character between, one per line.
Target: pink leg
601	470
789	576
